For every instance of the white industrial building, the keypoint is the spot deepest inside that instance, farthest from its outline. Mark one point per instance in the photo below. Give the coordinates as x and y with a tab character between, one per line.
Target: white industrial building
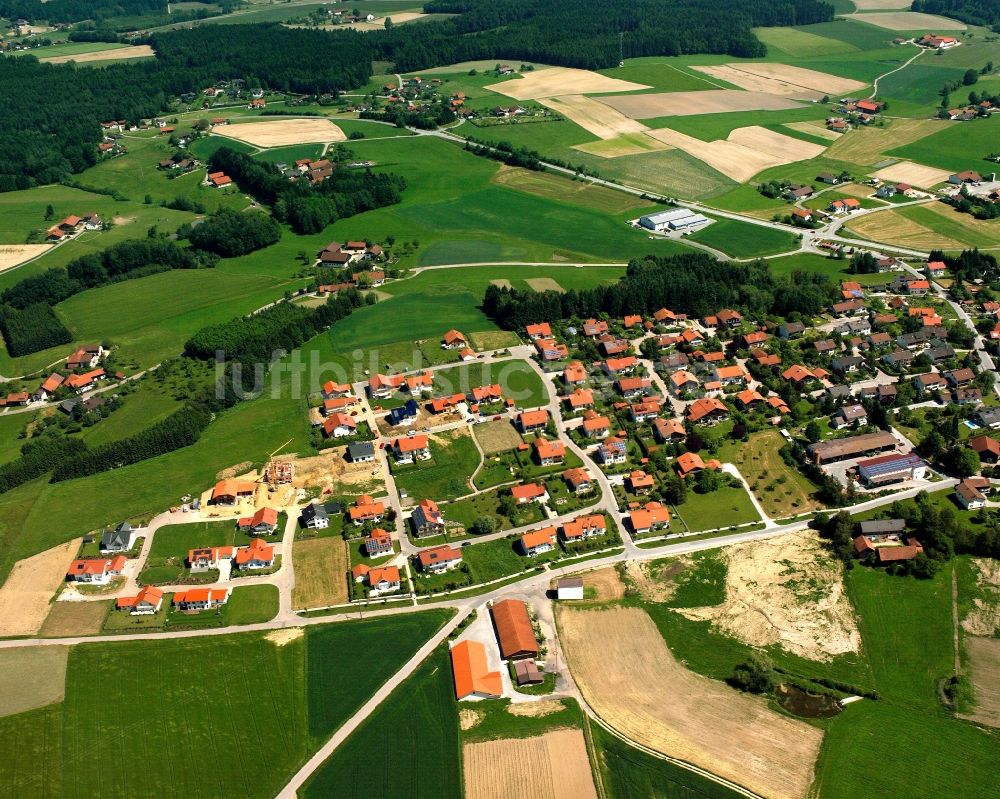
678	219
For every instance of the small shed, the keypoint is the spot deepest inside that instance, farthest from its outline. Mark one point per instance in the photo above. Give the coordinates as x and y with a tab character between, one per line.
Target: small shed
527	673
569	588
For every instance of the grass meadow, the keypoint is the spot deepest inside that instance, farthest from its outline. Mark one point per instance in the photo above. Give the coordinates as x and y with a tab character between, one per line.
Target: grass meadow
255	710
744	240
454	457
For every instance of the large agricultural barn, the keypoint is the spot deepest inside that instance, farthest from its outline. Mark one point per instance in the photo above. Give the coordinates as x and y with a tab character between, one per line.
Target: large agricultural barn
678	219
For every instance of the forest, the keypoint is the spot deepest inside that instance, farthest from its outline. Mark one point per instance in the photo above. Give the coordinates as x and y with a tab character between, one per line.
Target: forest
231	233
310	208
40	142
54	11
973	12
696	284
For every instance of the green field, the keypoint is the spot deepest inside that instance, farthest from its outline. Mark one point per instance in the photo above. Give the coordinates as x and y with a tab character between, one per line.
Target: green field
745	240
518	380
175	540
958	146
491	560
724	507
68	48
800	43
454	457
418	724
180	701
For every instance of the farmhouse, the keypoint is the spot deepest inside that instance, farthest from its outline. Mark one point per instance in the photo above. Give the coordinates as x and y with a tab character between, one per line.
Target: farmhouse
439	559
86	357
538	542
471	672
263	522
453	340
411	449
365	509
145	603
98	571
378	542
259	555
196	599
513	629
426	519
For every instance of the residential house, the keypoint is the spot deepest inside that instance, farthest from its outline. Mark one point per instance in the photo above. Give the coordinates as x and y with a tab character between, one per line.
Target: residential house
205	559
574	373
931	381
263	522
427	519
378	542
540	330
365	509
548	453
339	425
846	364
439	559
595	425
682	382
361	452
384	580
405	414
584	527
315	517
98	571
529	492
988	449
988	417
121	539
791	330
551	350
969	496
197	599
645	411
411	449
229	492
579	400
532	421
850	416
617	366
258	555
146	603
669	430
652	517
708	410
538	542
638	482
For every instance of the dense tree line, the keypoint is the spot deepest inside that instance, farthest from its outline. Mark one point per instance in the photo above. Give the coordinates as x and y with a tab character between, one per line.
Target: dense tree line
254	339
38	455
695	284
974	12
305	207
506	153
426	118
970	265
231	233
32	329
181	429
54	11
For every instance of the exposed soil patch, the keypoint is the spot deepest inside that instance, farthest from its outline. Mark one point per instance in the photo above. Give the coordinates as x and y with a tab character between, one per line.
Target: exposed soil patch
806	705
606	583
555	81
24	598
545	707
469	718
70	619
282	637
984	671
786	591
655	581
984	617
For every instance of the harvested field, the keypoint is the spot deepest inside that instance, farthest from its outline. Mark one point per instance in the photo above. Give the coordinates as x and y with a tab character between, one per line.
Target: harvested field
891	227
915	174
745	152
867	145
593	116
13	254
550	766
24	598
556	81
984	617
321	566
632	681
138	51
982	227
282	132
70	619
32	677
814	129
606	583
654	582
543	284
502	282
627	144
781	80
712	101
494	437
786	591
984	671
908	21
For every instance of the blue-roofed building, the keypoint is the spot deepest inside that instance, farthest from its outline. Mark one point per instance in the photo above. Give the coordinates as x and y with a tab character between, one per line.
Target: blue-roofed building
891	469
404	414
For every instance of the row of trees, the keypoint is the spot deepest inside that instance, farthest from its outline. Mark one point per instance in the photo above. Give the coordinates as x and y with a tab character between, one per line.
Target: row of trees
695	284
310	208
38	456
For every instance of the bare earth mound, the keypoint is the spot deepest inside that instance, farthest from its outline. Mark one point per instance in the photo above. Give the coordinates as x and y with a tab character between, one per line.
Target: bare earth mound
555	81
13	254
712	101
24	598
632	681
594	117
984	669
745	152
320	573
139	51
32	677
914	174
785	591
654	580
282	132
550	766
908	21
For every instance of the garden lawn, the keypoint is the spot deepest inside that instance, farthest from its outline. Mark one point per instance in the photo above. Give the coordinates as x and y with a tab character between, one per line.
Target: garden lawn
723	508
454	457
491	560
418	723
518	380
175	540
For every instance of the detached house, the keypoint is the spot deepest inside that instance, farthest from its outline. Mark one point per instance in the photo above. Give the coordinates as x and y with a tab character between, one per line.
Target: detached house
98	571
439	559
584	527
538	542
529	492
549	453
145	603
427	519
378	542
263	522
365	509
411	449
259	555
650	518
532	421
197	599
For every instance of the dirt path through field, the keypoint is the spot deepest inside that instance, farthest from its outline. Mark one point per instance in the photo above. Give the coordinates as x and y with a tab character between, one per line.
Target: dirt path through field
24	598
632	681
